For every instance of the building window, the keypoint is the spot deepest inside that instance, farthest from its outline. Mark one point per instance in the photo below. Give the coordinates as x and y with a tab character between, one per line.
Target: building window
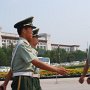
41	47
3	40
38	47
14	41
44	47
7	40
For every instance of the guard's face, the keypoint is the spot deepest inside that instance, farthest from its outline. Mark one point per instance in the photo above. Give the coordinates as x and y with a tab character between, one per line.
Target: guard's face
34	41
28	33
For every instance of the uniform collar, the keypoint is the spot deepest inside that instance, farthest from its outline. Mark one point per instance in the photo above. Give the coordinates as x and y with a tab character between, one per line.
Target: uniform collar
24	40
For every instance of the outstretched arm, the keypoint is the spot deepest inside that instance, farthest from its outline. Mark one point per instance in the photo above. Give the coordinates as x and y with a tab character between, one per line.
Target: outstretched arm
45	66
81	79
8	77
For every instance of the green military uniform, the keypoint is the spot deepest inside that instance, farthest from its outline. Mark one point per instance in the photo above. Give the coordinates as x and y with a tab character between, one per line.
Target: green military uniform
23	57
36	70
35	34
21	65
36	74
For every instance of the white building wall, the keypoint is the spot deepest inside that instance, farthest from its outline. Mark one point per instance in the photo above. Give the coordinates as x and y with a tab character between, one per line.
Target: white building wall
48	42
45	43
47	38
6	39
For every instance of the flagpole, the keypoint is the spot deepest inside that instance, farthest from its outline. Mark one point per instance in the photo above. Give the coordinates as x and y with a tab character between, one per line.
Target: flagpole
57	64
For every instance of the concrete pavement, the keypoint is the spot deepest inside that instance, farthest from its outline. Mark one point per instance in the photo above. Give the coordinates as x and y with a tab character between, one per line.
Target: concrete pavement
60	84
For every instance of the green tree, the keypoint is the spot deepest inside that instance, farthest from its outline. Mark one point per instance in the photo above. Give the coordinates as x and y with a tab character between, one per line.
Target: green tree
79	55
3	57
70	57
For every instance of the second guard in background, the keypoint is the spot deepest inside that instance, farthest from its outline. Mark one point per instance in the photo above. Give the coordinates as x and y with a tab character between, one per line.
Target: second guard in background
36	74
86	67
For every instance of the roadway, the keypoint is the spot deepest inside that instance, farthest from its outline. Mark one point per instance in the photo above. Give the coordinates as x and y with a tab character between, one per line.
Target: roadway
60	84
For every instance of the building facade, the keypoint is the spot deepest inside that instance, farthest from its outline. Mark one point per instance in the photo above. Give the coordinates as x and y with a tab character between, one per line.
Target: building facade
7	39
68	48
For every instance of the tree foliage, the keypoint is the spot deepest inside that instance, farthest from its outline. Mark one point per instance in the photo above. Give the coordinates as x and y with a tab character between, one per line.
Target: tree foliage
60	55
56	56
5	56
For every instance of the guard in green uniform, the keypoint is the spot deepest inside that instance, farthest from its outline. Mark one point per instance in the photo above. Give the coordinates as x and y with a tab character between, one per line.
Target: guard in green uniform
36	74
22	56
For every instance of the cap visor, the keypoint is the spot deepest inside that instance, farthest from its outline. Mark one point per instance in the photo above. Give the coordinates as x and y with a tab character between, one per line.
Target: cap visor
33	27
39	36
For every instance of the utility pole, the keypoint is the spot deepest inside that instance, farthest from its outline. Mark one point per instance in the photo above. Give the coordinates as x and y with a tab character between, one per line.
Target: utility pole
58	59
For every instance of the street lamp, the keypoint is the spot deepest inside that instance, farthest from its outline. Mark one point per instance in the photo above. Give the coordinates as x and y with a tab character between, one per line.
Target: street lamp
58	59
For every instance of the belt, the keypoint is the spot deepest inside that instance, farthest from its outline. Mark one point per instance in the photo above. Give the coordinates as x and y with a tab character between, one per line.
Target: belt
23	74
26	74
36	75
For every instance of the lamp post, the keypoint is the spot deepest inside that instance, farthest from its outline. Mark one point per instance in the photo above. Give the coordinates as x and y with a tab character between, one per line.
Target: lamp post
59	53
58	59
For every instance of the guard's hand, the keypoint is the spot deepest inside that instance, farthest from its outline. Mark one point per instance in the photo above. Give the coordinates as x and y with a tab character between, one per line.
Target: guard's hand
62	71
81	79
88	80
3	87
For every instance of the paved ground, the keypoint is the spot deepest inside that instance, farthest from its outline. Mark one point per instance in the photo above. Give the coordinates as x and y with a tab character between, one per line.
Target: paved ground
61	84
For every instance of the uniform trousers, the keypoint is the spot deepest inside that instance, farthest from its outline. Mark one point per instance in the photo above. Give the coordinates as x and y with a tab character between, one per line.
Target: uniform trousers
25	83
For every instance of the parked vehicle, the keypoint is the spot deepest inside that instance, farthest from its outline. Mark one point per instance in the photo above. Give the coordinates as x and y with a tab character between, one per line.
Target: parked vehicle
45	59
4	69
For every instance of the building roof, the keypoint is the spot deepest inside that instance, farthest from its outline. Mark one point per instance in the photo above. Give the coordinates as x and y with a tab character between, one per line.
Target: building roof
64	45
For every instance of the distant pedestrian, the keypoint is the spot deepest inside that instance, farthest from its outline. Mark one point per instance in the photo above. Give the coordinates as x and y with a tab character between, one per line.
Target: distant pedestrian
85	70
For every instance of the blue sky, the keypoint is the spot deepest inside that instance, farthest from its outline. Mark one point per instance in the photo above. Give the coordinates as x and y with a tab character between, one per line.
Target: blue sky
67	21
